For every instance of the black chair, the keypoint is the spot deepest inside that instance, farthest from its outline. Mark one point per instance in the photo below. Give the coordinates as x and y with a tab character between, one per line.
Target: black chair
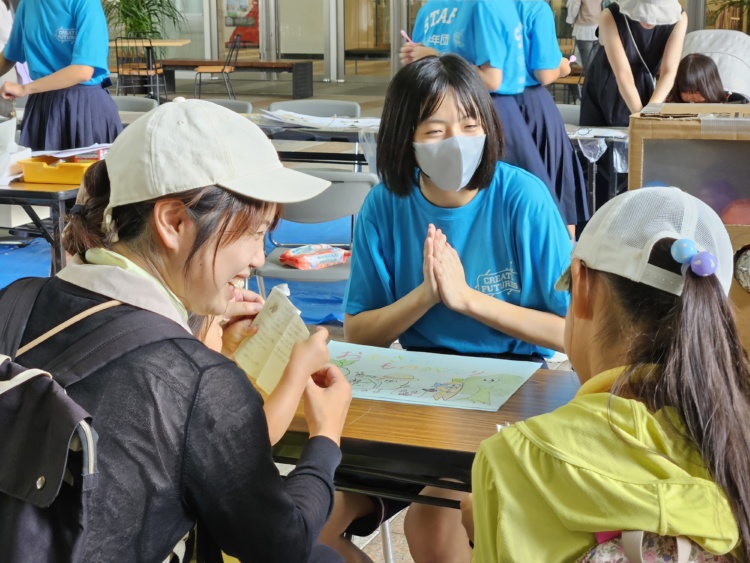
225	71
139	67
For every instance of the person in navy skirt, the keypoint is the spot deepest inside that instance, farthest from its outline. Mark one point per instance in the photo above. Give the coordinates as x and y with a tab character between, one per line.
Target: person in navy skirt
489	35
544	65
65	44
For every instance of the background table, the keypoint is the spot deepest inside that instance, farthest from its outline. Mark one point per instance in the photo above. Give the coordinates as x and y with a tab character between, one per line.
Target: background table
425	445
58	197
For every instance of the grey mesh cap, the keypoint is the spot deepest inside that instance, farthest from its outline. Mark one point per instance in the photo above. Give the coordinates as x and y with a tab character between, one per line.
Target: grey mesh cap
619	237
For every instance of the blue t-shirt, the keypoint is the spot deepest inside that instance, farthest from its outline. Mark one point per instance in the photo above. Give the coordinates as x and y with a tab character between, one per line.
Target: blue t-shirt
481	31
512	243
540	45
52	34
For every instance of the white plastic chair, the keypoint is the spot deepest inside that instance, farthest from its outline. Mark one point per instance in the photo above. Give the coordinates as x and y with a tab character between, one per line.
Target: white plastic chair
319	108
134	103
343	198
571	113
730	50
239	106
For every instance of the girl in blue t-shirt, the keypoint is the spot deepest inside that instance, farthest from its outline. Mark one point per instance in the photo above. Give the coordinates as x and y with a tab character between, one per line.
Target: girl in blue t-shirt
488	34
455	252
65	44
544	65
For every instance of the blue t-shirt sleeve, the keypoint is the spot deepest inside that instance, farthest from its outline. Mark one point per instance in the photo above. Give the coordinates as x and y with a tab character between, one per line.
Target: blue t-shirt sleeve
544	51
417	34
91	44
370	282
14	47
542	245
487	35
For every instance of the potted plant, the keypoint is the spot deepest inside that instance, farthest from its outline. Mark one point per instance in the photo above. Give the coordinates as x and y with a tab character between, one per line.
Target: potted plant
140	18
144	18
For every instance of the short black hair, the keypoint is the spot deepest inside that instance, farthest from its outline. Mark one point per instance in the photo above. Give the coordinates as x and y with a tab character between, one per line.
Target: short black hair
415	94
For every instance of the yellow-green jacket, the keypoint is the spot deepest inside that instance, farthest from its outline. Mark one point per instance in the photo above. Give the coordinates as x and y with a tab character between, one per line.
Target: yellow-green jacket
600	463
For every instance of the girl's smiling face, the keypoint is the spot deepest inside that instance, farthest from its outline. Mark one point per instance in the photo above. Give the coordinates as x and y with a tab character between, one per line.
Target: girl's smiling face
216	271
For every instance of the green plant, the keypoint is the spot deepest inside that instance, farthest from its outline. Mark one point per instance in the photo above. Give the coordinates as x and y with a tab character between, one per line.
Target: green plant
148	18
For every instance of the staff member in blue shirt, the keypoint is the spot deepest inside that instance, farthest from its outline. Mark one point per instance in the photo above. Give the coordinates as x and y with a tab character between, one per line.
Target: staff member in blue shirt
544	65
455	252
488	34
65	44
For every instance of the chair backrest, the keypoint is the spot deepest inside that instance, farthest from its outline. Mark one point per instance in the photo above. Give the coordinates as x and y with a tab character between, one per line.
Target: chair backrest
729	49
240	106
319	108
233	52
134	103
343	198
571	113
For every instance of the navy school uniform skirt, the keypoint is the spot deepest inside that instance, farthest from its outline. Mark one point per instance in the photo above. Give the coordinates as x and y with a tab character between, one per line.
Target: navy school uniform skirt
70	118
520	149
561	162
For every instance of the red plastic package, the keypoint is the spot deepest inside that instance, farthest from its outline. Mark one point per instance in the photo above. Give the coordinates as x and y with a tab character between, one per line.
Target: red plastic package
314	256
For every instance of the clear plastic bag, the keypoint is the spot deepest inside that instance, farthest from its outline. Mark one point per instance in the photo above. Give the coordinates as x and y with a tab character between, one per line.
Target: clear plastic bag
368	137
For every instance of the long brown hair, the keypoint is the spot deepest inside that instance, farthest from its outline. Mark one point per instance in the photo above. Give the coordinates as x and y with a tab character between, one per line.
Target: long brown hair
218	214
698	74
704	375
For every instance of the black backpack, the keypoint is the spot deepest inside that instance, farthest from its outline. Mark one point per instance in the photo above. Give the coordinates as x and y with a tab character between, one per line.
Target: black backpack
47	443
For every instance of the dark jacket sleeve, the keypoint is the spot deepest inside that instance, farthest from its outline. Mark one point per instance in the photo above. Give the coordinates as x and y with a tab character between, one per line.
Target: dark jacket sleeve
230	480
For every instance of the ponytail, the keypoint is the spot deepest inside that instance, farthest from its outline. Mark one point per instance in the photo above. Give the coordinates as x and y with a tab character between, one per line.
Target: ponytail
84	228
704	375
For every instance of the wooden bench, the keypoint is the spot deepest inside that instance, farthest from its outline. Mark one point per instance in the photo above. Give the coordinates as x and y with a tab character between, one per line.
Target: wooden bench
302	71
366	54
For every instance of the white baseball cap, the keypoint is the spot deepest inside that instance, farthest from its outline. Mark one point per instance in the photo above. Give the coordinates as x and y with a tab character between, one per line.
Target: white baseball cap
619	237
653	12
189	144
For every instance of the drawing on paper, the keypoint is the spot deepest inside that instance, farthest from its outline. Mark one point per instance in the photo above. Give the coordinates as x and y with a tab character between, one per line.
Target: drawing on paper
429	379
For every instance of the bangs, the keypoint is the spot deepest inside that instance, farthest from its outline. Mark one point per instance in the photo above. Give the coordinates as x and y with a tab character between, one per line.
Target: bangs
436	90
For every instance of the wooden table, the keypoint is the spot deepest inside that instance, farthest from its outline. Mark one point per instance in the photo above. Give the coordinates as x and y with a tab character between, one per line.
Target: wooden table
136	42
58	197
425	445
149	45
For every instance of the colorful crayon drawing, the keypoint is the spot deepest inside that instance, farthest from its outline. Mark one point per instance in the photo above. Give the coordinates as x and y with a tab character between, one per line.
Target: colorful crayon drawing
462	382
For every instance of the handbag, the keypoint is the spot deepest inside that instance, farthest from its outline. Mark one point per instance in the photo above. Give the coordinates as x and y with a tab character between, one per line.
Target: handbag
638	546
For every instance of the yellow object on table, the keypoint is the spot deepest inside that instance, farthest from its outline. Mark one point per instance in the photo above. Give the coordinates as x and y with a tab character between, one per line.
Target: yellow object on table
52	170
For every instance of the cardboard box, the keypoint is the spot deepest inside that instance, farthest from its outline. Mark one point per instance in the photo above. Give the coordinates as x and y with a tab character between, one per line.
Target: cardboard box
706	156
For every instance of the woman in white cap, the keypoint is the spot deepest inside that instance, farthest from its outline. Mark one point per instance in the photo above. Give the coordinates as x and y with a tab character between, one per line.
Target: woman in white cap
173	220
641	39
656	438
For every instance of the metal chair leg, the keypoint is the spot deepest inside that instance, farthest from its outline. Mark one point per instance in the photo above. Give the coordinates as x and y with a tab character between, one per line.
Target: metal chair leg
226	84
385	534
231	87
195	85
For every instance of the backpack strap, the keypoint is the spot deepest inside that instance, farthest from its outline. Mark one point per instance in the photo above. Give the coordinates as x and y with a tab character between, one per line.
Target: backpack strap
116	338
15	310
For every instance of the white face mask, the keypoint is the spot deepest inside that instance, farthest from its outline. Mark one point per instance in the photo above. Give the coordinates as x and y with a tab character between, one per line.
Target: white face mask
450	163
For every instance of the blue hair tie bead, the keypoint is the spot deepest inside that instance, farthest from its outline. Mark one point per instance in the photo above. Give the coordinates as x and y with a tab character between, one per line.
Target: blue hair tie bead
704	264
683	250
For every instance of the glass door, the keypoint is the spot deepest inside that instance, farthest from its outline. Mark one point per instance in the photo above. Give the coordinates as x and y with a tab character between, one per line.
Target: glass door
237	17
196	27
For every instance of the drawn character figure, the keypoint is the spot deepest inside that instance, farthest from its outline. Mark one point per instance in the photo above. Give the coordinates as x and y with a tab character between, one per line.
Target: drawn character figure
446	391
393	381
341	364
363	382
481	389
